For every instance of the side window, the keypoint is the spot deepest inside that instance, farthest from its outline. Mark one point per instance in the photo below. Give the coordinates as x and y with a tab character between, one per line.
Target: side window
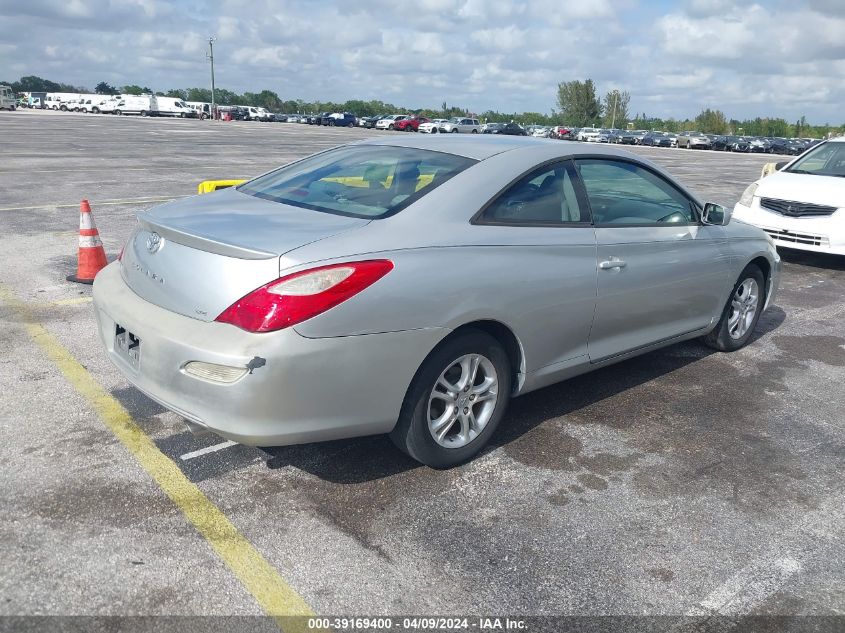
546	196
624	193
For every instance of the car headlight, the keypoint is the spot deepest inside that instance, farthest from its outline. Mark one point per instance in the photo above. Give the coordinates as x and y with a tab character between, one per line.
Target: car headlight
748	195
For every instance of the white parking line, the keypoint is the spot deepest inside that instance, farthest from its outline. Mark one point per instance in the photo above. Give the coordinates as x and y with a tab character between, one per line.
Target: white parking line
207	450
747	588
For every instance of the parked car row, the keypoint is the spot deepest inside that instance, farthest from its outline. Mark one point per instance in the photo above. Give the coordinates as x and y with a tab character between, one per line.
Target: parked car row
685	140
153	105
393	122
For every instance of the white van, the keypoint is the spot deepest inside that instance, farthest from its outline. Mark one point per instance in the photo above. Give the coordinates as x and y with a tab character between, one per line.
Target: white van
171	106
145	105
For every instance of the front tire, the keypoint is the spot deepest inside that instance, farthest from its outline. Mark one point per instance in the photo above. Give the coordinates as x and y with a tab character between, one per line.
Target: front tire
741	313
455	402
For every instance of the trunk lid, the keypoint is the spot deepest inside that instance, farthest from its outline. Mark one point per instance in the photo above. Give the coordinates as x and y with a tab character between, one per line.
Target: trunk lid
213	249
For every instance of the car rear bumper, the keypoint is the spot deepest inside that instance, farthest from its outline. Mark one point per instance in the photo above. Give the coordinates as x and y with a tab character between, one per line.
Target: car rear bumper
307	390
824	234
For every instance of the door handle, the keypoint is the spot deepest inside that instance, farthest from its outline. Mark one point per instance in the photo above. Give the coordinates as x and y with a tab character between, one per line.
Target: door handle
612	263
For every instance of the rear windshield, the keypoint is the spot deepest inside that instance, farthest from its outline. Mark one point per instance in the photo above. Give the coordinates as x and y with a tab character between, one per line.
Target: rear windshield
365	181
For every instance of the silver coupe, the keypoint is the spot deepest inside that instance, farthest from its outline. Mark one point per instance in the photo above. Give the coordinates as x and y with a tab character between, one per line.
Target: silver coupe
413	285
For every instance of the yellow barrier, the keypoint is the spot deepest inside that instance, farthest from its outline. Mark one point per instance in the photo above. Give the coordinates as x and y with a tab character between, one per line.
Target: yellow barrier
207	186
768	169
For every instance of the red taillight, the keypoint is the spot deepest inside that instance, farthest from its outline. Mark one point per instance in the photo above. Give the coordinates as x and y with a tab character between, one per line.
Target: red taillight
300	296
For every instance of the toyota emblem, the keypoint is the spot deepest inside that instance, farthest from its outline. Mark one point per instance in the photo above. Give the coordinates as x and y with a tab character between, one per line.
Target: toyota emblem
153	242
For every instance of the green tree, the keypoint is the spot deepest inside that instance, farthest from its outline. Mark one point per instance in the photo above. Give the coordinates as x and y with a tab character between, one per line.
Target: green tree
200	94
177	94
579	105
615	106
226	97
105	89
269	100
711	122
134	89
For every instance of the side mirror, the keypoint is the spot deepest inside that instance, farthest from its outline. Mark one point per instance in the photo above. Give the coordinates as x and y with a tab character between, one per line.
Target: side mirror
715	214
781	164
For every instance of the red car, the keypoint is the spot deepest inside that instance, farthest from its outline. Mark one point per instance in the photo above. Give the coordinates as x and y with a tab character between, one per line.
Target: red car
411	124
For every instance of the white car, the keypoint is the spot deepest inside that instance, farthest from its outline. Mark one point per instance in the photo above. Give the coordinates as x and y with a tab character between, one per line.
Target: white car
431	127
460	124
802	205
541	132
389	122
589	134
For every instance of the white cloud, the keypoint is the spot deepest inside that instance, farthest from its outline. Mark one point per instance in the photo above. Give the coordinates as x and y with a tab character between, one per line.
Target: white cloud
772	58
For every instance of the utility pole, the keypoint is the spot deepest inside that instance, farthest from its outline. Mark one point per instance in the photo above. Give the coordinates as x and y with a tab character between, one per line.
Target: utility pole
211	41
615	98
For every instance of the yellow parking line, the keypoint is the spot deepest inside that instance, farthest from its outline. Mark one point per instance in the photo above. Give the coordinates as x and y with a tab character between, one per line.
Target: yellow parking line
71	302
258	577
100	203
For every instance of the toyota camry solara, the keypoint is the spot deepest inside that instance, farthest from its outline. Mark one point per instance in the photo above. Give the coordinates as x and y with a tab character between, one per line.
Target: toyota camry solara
412	286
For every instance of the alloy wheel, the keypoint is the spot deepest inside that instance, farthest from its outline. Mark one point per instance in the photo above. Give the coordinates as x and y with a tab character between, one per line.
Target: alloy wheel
743	308
462	401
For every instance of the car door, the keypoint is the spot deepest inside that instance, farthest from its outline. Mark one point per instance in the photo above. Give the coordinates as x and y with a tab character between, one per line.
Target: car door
546	247
661	273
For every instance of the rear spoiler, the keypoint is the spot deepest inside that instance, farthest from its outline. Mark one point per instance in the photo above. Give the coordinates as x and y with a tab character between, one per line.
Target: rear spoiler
201	242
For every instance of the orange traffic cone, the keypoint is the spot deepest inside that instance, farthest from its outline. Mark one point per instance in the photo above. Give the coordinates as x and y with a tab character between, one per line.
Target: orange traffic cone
92	256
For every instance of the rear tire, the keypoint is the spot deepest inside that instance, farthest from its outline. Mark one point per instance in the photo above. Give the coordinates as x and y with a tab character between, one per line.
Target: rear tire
464	418
143	113
741	313
118	112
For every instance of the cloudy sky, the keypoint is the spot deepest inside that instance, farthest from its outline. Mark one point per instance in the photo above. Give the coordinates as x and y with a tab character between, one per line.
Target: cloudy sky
777	57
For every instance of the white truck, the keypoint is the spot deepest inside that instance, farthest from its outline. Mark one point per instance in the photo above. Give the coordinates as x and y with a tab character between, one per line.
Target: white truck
202	108
254	113
61	100
33	100
7	99
96	104
143	105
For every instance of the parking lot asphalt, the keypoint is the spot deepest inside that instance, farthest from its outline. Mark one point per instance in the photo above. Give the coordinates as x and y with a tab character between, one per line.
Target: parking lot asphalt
681	482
